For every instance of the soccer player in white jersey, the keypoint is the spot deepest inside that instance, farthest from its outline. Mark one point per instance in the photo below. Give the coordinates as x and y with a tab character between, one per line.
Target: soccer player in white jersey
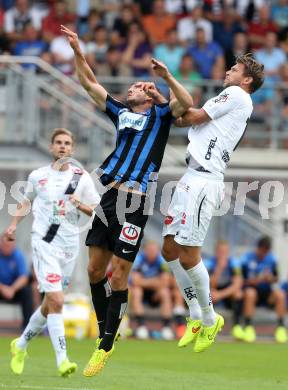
216	129
58	192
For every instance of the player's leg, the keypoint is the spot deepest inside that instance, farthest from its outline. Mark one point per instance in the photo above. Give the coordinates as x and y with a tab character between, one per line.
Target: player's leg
237	306
279	300
163	295
100	287
137	296
250	300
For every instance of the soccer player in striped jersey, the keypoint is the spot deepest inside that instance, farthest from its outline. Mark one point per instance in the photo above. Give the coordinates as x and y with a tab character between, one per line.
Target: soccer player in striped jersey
142	132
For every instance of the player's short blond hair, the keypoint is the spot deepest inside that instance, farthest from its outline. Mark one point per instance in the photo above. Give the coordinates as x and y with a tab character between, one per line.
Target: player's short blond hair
59	131
253	69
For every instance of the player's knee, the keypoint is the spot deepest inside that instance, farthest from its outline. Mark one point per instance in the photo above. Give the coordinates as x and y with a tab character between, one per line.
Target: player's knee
168	253
119	280
55	303
96	273
250	294
279	295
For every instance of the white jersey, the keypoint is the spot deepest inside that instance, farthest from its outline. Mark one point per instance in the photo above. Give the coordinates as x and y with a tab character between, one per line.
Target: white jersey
211	143
46	188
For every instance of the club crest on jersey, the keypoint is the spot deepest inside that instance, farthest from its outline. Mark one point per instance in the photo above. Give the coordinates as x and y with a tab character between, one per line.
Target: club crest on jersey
131	120
130	233
221	98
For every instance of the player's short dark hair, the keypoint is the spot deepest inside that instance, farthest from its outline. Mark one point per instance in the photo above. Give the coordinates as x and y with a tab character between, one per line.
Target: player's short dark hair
59	131
253	69
264	243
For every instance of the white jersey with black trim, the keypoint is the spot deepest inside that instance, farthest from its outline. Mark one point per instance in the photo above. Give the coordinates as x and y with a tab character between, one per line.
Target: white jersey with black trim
211	143
46	187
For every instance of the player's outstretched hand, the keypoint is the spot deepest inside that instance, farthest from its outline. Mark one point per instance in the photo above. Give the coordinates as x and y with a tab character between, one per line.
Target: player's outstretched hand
72	37
159	68
151	90
10	233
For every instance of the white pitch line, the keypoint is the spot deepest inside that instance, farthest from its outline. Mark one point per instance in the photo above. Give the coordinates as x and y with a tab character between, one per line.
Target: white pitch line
2	386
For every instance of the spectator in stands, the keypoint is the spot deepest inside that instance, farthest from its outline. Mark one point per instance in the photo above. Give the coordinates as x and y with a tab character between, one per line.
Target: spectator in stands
123	22
31	45
14	278
158	23
284	98
180	7
279	14
170	52
189	77
240	46
261	287
150	279
187	26
58	15
226	283
87	27
97	49
257	30
63	55
4	42
224	30
137	53
205	54
271	56
18	16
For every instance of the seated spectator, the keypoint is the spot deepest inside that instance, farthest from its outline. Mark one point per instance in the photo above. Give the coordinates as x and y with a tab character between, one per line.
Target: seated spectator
264	102
226	283
63	55
87	27
18	16
279	14
240	46
4	42
260	287
188	76
158	23
170	52
58	15
205	54
96	50
271	56
30	46
284	98
150	280
137	53
257	30
180	7
224	30
14	277
187	27
123	22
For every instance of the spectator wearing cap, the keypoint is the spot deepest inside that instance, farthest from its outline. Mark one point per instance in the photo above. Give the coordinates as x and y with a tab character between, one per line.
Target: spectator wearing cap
14	278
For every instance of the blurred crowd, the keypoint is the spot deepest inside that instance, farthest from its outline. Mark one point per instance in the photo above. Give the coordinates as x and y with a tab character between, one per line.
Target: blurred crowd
198	39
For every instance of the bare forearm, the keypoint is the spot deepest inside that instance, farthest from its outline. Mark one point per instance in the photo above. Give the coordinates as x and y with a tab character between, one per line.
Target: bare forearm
19	283
84	72
88	210
181	94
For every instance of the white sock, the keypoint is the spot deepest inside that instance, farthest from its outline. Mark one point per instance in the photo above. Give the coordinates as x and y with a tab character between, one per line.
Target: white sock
35	325
55	325
186	288
200	280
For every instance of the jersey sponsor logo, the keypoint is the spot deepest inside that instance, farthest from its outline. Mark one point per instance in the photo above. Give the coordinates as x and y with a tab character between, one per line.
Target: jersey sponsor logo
225	156
59	208
212	144
221	98
132	120
130	233
168	220
53	278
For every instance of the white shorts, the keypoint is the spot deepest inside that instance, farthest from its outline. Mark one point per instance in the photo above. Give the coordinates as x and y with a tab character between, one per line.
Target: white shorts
196	197
53	266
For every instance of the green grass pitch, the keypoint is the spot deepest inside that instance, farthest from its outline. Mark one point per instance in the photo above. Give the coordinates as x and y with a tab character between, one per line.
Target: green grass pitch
153	365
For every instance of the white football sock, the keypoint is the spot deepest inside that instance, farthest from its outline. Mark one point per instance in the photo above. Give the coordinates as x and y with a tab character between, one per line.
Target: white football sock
200	280
55	325
186	288
35	325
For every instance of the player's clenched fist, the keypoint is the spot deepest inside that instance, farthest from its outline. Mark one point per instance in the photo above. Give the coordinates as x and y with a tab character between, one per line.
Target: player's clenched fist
10	233
72	37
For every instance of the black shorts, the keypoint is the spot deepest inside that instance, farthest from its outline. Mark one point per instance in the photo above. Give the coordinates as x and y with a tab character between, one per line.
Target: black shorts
263	294
115	229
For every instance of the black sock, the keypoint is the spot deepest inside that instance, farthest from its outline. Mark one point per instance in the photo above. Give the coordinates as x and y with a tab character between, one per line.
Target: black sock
280	322
101	295
166	321
116	310
179	320
139	320
248	321
237	311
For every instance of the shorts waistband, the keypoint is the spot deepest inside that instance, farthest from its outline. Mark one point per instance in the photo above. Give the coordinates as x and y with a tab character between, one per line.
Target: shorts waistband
207	174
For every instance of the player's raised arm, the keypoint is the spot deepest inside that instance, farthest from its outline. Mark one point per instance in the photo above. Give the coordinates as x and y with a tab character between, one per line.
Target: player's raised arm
84	72
193	116
183	100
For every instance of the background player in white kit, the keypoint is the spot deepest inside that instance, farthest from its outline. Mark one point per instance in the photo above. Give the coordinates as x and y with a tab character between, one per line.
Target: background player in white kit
217	128
58	192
